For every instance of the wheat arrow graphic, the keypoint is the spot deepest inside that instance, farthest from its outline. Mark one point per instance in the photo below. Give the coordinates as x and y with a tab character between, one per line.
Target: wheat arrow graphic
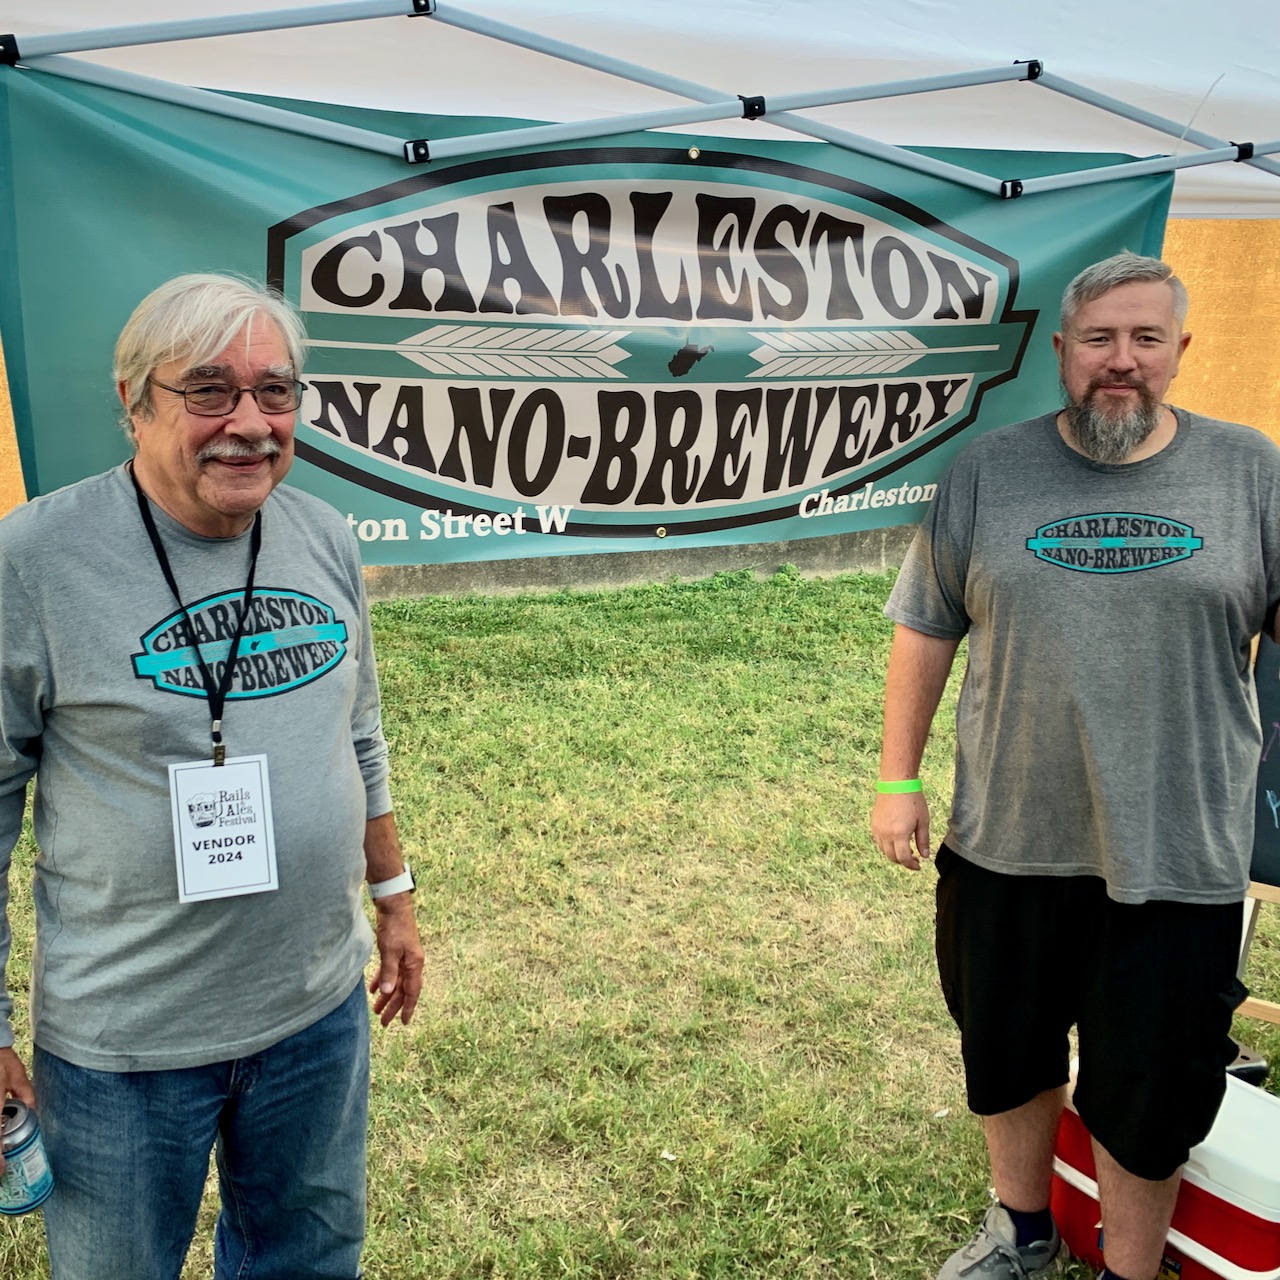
843	352
507	351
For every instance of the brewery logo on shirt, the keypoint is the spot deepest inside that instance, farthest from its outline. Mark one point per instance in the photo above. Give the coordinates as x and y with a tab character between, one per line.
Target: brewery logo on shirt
288	640
1114	542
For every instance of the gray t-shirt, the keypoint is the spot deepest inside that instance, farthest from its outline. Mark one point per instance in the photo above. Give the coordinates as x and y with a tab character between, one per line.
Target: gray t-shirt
1107	724
101	693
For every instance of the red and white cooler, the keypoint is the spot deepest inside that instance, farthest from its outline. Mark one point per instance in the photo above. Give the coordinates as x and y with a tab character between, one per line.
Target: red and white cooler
1226	1224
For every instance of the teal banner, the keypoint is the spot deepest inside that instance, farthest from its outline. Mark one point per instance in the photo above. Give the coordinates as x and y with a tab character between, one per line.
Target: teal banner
658	340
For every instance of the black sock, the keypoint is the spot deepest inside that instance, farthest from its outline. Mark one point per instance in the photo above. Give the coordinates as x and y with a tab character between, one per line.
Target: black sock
1030	1226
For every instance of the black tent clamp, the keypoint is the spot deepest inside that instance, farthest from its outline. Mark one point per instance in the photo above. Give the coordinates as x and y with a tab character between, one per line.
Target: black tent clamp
8	51
417	151
752	107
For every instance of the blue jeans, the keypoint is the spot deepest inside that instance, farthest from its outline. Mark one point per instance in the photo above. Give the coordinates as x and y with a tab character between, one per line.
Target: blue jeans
130	1154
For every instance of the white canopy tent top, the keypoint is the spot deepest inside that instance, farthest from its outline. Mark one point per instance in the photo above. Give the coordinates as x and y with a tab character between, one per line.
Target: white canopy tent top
1210	85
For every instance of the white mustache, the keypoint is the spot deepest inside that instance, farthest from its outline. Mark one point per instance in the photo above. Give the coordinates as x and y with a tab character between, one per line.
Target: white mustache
268	448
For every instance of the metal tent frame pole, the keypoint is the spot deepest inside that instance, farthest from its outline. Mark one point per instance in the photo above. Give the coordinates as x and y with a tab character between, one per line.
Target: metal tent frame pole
454	17
233	24
217	104
1069	89
44	53
471	144
1138	168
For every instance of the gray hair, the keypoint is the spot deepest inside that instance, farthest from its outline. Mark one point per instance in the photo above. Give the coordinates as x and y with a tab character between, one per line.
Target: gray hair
195	318
1111	273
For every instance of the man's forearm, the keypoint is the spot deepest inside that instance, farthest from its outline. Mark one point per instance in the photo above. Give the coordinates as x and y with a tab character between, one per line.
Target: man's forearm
383	859
10	828
918	668
398	982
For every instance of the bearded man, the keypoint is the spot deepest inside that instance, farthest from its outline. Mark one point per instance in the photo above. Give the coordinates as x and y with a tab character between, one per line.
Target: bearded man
1109	565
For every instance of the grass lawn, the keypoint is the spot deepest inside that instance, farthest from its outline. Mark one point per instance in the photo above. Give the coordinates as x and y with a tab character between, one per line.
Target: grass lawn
681	1019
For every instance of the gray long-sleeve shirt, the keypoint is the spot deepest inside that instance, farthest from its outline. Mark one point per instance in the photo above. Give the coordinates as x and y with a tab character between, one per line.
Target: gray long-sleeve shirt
101	692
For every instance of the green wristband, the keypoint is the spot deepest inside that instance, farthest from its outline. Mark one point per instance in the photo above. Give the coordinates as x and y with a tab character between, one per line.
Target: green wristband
897	788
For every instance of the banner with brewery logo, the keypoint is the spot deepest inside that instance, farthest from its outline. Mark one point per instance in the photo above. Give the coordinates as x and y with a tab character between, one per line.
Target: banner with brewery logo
628	344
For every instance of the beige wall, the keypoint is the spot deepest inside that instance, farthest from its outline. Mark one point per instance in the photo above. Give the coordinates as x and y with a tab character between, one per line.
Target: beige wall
11	492
1232	272
1232	369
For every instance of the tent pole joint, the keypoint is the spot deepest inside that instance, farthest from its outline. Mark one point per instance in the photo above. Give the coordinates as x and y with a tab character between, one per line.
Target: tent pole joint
1244	151
417	151
8	51
752	106
1035	68
423	8
1010	188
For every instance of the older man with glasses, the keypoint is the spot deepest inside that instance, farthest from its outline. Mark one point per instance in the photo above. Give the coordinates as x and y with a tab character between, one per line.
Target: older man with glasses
189	678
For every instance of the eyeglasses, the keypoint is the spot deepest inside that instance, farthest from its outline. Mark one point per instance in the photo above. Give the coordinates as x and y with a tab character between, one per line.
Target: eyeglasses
216	399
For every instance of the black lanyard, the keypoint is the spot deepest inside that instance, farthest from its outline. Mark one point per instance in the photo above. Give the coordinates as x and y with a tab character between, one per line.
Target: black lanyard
216	691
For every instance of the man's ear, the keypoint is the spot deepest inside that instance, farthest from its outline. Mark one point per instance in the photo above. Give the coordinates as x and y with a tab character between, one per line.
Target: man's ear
1184	341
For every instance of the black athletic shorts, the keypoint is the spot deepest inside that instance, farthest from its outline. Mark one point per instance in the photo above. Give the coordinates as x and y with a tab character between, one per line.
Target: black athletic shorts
1150	988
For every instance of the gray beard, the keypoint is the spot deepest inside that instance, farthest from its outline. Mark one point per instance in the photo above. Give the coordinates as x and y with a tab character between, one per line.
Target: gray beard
1111	437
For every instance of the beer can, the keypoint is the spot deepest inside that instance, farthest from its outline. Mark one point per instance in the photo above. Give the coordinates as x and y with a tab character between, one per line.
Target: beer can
27	1179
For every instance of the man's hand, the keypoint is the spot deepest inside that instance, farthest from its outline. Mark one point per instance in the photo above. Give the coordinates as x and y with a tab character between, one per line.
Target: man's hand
14	1083
917	674
399	980
899	822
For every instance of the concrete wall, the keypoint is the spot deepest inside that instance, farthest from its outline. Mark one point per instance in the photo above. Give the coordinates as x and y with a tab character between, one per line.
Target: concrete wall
872	551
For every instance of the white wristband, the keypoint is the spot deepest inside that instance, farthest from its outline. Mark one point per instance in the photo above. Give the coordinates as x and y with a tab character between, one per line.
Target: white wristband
402	883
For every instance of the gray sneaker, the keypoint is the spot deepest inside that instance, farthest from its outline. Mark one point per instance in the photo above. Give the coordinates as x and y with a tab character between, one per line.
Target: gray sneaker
994	1255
